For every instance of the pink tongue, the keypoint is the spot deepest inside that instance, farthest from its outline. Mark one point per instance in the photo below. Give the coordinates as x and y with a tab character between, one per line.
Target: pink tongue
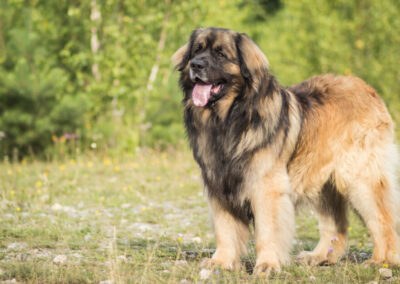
201	94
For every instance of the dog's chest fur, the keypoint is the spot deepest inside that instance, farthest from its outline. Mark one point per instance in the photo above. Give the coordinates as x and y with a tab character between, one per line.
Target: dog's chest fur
224	160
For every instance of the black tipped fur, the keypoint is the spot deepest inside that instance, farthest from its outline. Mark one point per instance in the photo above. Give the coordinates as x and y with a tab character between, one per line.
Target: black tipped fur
222	169
224	136
243	67
332	203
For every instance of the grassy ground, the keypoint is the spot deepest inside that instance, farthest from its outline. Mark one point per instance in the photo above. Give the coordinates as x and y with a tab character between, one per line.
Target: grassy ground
133	220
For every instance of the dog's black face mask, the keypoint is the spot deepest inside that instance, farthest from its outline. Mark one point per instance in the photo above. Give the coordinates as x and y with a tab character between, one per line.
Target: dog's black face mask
216	62
206	71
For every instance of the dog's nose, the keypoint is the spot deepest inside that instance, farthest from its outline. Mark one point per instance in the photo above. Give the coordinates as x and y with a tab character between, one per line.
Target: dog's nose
198	63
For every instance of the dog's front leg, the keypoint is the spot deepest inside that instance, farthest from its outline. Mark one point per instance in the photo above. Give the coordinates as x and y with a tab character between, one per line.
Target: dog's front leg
274	221
231	236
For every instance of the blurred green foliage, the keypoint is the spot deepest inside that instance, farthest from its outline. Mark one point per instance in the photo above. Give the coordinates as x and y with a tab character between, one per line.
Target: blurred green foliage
97	74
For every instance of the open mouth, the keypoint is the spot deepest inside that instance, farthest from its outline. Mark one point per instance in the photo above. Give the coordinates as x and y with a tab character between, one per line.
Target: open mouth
202	92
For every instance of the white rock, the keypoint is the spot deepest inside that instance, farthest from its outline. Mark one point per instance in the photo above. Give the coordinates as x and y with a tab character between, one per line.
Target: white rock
126	205
196	240
312	278
87	237
10	281
9	216
106	282
184	281
57	207
122	258
205	274
143	227
385	273
181	262
44	197
16	246
60	259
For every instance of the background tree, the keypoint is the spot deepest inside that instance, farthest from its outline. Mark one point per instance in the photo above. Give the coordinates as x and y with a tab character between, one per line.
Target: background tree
98	73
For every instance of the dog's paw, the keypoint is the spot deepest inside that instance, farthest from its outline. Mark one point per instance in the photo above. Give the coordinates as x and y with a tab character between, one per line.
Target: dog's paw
314	259
381	262
211	263
309	258
265	269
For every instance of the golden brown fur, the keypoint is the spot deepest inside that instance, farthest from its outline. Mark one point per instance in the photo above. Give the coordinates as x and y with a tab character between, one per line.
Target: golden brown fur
263	149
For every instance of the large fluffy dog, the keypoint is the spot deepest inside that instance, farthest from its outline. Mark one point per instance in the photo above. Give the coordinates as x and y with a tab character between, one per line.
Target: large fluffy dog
263	149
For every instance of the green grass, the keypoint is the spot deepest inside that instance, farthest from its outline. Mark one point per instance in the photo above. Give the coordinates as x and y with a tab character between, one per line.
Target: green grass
131	221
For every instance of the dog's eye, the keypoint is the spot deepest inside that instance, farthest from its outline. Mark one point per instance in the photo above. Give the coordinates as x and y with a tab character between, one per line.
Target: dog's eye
199	47
220	54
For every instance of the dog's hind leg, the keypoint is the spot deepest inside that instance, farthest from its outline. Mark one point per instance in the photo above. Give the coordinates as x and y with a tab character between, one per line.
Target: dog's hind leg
375	203
332	216
374	194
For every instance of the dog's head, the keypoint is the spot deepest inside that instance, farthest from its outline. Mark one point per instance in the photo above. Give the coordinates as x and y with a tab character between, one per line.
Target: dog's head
216	62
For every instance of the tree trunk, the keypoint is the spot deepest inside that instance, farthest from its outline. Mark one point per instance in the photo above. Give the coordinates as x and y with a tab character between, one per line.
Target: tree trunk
154	71
95	16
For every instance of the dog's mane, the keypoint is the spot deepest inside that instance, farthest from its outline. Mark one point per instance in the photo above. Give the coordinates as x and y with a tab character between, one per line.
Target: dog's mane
248	113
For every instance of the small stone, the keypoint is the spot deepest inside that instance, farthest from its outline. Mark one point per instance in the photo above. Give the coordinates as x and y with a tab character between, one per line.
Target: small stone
184	281
126	205
122	258
196	240
385	273
312	278
16	246
166	271
181	262
44	197
106	282
87	237
57	207
205	274
10	281
60	259
373	282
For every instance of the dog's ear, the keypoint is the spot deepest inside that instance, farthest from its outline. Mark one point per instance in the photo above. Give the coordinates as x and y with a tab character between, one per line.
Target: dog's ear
182	56
252	61
179	59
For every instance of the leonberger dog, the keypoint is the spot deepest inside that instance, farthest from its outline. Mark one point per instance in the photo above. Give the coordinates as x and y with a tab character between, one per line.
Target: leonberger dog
263	149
